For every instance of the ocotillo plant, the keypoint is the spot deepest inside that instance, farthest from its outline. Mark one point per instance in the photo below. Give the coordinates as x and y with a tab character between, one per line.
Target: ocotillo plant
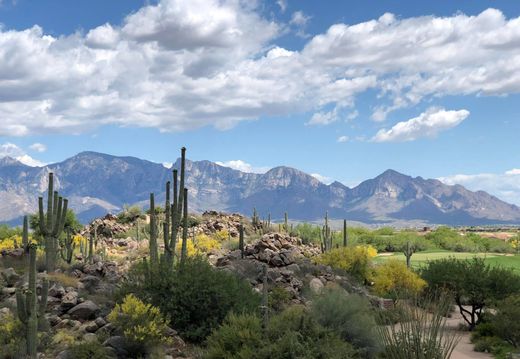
345	234
326	235
154	254
51	225
67	250
29	312
25	234
241	240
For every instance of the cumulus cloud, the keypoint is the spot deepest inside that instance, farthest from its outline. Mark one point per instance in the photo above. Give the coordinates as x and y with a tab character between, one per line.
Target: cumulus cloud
282	4
180	65
342	139
243	166
505	186
11	150
427	124
38	147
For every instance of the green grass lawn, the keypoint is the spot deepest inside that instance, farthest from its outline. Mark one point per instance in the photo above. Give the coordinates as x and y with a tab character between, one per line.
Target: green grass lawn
420	258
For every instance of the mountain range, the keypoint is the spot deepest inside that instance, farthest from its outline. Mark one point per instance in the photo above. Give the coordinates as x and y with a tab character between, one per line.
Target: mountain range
97	183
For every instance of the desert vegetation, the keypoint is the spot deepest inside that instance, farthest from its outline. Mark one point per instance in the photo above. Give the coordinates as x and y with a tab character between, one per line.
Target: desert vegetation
161	282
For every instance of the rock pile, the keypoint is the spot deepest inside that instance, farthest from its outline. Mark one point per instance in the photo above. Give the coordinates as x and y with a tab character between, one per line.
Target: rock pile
214	221
107	227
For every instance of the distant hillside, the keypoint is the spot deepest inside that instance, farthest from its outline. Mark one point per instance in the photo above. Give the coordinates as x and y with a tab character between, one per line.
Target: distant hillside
97	183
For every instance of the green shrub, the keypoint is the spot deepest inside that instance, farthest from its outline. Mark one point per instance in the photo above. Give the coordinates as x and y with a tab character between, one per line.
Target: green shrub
290	334
87	350
12	344
143	325
472	282
196	298
506	321
350	316
279	298
130	214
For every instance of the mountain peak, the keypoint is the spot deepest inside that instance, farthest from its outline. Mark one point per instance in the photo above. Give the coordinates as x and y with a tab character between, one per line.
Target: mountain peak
9	161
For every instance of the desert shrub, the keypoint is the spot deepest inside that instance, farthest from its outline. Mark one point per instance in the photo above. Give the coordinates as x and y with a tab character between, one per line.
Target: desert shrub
421	334
196	298
129	214
87	350
472	282
308	233
506	321
384	231
240	336
12	242
143	325
279	298
290	334
350	316
222	235
393	278
6	231
12	344
202	244
354	260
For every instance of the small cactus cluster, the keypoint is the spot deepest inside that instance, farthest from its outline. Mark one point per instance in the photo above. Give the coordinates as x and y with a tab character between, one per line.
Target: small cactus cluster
31	312
327	235
52	224
68	247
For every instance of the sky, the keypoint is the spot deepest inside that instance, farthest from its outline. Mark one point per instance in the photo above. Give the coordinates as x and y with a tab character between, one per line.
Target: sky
340	89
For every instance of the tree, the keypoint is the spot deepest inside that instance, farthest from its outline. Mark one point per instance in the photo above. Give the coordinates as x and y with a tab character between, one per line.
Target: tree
473	284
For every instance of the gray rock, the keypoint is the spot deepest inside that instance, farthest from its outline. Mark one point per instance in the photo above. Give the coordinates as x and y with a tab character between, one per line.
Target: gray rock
84	311
316	285
117	343
56	291
10	276
69	300
100	322
90	337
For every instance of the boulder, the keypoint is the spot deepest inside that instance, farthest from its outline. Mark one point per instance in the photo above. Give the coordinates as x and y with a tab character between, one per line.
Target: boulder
119	345
84	311
10	277
316	285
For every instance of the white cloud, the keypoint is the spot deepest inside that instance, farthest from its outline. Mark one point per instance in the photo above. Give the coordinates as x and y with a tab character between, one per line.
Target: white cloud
342	139
505	186
427	124
322	179
38	147
13	151
180	65
323	118
243	166
298	18
282	4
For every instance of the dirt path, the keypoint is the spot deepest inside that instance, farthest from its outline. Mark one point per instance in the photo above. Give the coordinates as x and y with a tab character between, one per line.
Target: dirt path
464	349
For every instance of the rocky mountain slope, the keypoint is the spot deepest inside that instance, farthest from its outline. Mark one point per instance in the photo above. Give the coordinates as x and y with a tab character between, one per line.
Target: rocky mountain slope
97	183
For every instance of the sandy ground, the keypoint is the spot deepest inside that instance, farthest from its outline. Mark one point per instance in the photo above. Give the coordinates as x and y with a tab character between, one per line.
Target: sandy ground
464	349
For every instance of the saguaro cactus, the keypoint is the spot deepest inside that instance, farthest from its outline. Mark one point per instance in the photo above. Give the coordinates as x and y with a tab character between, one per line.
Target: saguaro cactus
286	223
241	240
30	313
67	250
326	235
25	234
51	225
185	228
345	234
154	254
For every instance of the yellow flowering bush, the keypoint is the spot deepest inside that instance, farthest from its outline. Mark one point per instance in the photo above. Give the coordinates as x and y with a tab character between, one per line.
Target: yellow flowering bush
11	335
355	260
394	278
77	239
515	243
142	324
222	235
203	244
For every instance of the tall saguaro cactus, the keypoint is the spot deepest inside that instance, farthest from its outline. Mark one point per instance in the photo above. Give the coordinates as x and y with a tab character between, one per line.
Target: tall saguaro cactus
345	234
241	241
30	312
52	224
185	228
154	254
25	234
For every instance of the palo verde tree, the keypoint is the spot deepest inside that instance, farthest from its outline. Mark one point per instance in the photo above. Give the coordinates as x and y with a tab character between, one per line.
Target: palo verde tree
473	284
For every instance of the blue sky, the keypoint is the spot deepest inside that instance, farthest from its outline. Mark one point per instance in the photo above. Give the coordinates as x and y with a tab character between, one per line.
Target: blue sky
343	90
